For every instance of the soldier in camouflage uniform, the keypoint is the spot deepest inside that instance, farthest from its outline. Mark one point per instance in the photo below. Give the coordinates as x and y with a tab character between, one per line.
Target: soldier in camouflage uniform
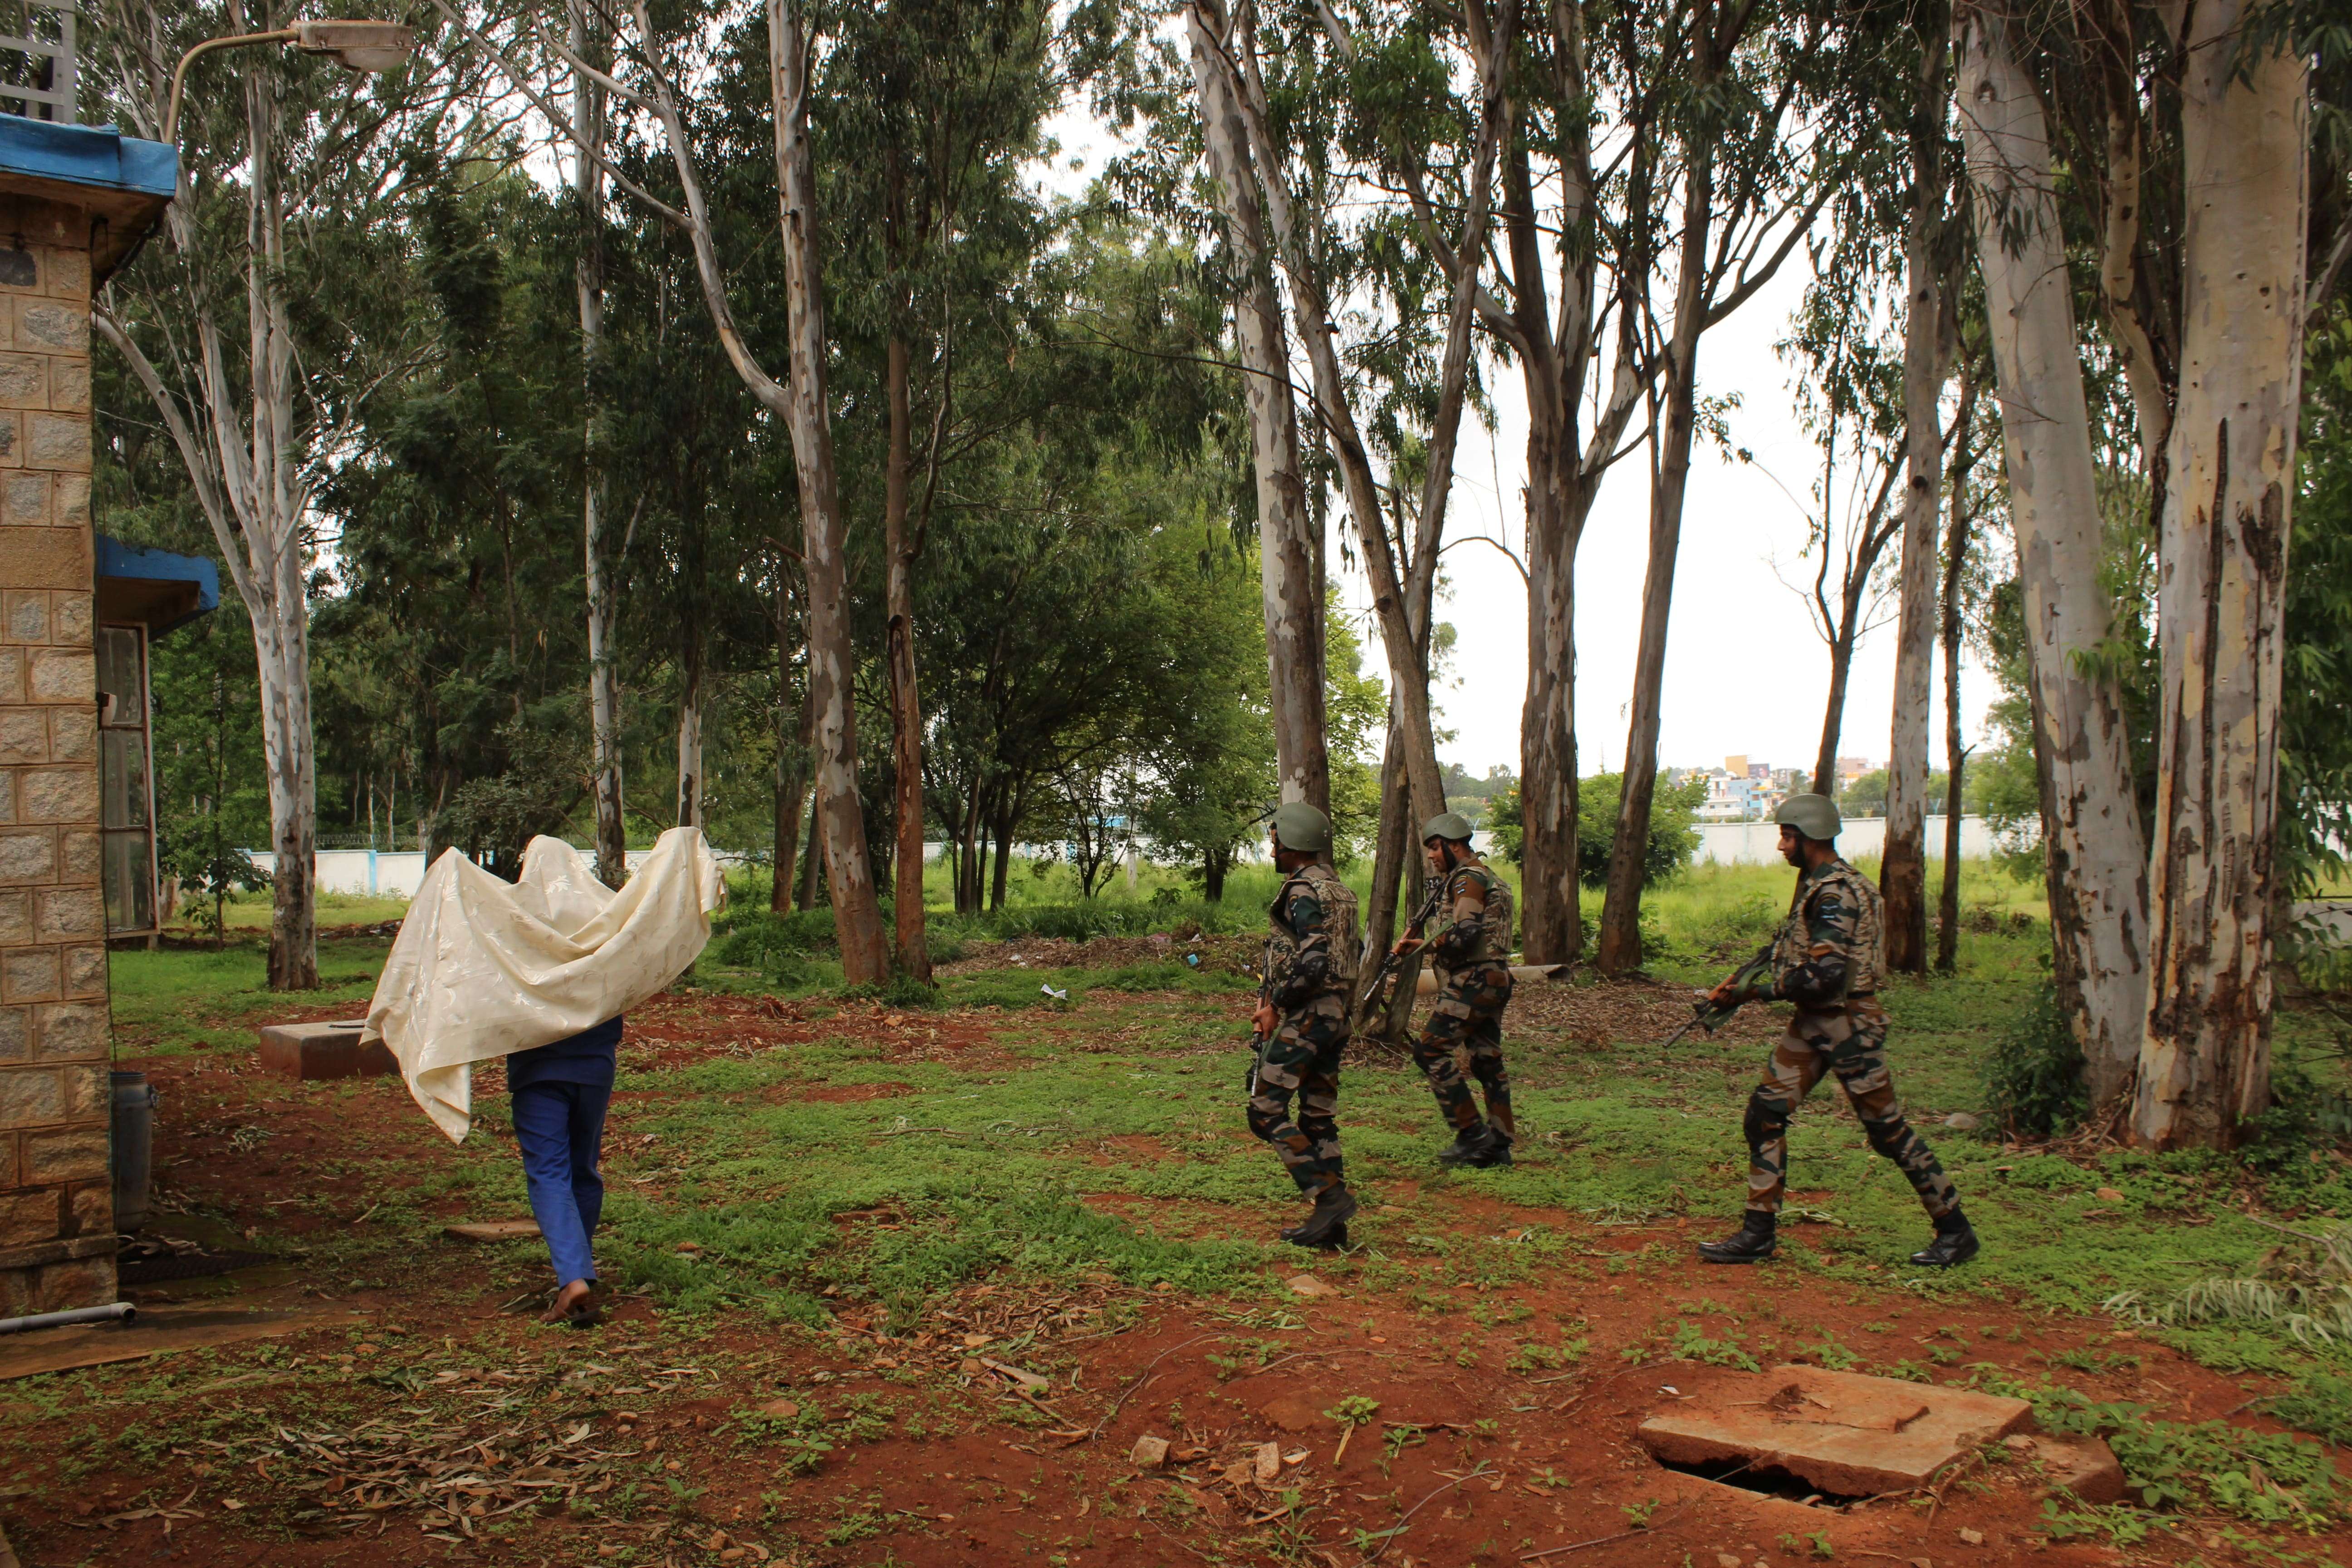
1302	1022
1827	960
1472	954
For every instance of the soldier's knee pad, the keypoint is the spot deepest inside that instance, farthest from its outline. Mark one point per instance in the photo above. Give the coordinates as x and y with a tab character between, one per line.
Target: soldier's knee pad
1765	1120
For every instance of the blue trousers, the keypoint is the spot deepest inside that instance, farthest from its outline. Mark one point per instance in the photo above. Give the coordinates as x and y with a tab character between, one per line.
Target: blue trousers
561	1127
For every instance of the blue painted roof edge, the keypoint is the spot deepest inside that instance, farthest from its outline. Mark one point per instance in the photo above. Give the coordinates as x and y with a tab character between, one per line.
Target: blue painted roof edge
88	155
116	559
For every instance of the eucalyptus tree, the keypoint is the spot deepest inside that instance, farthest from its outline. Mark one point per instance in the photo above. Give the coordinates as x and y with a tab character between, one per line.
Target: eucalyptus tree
291	179
1748	186
651	63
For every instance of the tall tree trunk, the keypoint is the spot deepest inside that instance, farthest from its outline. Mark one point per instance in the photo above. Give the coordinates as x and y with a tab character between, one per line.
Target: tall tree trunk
792	781
2091	835
1619	947
1956	558
1833	711
689	737
284	667
1553	918
905	701
603	680
812	855
1289	585
2204	1063
1926	339
1392	852
849	873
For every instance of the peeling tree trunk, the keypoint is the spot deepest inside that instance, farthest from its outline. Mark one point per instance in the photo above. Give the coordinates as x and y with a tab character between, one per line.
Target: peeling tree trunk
1620	946
1956	558
603	682
689	739
1926	353
906	699
2204	1063
1288	582
2091	835
849	873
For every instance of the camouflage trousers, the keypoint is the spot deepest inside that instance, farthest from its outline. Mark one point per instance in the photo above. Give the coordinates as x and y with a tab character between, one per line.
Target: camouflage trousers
1852	1046
1469	1014
1302	1060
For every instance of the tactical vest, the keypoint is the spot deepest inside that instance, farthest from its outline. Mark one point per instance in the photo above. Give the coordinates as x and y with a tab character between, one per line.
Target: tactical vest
1338	904
1494	930
1867	958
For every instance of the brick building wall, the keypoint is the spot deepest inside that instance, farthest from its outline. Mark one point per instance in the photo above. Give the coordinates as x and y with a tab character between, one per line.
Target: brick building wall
56	1208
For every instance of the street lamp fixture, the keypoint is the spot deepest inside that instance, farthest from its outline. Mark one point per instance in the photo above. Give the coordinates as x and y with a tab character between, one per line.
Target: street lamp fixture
363	46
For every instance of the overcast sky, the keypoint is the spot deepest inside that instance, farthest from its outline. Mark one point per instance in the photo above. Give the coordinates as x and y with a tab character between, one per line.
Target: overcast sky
1745	671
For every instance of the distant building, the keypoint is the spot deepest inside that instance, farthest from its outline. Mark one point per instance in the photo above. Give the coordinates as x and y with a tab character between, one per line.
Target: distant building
1737	767
1850	768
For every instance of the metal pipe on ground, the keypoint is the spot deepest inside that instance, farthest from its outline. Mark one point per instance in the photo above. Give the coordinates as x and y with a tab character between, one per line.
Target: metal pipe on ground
122	1312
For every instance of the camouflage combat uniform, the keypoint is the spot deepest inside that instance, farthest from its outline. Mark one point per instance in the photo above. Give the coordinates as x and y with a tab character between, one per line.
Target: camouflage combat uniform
1310	971
1827	960
1473	958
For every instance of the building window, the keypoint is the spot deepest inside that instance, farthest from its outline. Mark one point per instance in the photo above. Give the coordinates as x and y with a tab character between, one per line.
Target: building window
125	781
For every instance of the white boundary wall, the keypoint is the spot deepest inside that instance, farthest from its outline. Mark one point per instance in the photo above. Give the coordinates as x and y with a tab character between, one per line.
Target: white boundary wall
1759	843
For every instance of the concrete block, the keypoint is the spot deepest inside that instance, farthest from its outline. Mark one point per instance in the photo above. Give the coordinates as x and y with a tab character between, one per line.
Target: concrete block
69	914
59	795
29	1215
89	1092
71	618
29	855
85	970
1842	1432
7	798
16	1046
20	270
90	1209
70	507
24	497
12	673
73	1154
49	557
16	918
62	674
24	381
52	326
26	614
70	1032
307	1051
80	853
12	442
29	974
73	735
2085	1466
31	1097
69	385
24	735
65	272
58	441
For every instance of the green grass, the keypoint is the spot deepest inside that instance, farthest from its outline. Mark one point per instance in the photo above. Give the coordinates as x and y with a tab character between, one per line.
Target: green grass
180	999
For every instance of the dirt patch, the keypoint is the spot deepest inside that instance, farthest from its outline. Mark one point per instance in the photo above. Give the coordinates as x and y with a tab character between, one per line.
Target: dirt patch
1222	954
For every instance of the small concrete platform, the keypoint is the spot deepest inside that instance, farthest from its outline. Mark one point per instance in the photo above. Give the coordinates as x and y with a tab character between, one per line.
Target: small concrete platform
1845	1433
306	1051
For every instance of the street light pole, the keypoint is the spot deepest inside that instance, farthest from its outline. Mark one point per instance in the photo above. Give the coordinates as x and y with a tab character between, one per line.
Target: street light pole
355	46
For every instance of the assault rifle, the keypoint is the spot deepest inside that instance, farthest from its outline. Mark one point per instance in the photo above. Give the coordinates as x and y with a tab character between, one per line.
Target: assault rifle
1435	887
1710	1016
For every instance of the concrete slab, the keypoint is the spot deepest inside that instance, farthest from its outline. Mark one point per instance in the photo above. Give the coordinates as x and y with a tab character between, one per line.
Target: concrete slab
2085	1466
1845	1433
307	1051
493	1229
159	1332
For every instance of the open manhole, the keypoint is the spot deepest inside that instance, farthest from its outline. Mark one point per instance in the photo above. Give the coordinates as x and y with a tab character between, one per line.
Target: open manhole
1834	1434
1764	1479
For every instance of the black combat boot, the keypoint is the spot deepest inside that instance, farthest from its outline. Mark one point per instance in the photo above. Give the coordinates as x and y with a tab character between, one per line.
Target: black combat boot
1482	1146
1956	1242
1756	1239
1326	1229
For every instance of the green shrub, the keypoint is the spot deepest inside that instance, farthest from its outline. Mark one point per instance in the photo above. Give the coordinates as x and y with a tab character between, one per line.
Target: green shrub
2322	1406
2033	1079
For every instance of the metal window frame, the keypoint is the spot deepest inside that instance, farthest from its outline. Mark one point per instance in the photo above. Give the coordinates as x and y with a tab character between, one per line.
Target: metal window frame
59	99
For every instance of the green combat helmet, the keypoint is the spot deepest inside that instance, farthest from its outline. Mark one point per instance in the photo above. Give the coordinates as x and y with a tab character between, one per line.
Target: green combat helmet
1298	825
1446	825
1814	816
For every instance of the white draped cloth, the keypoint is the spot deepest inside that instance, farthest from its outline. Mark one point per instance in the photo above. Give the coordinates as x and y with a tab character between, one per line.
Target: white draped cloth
483	968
